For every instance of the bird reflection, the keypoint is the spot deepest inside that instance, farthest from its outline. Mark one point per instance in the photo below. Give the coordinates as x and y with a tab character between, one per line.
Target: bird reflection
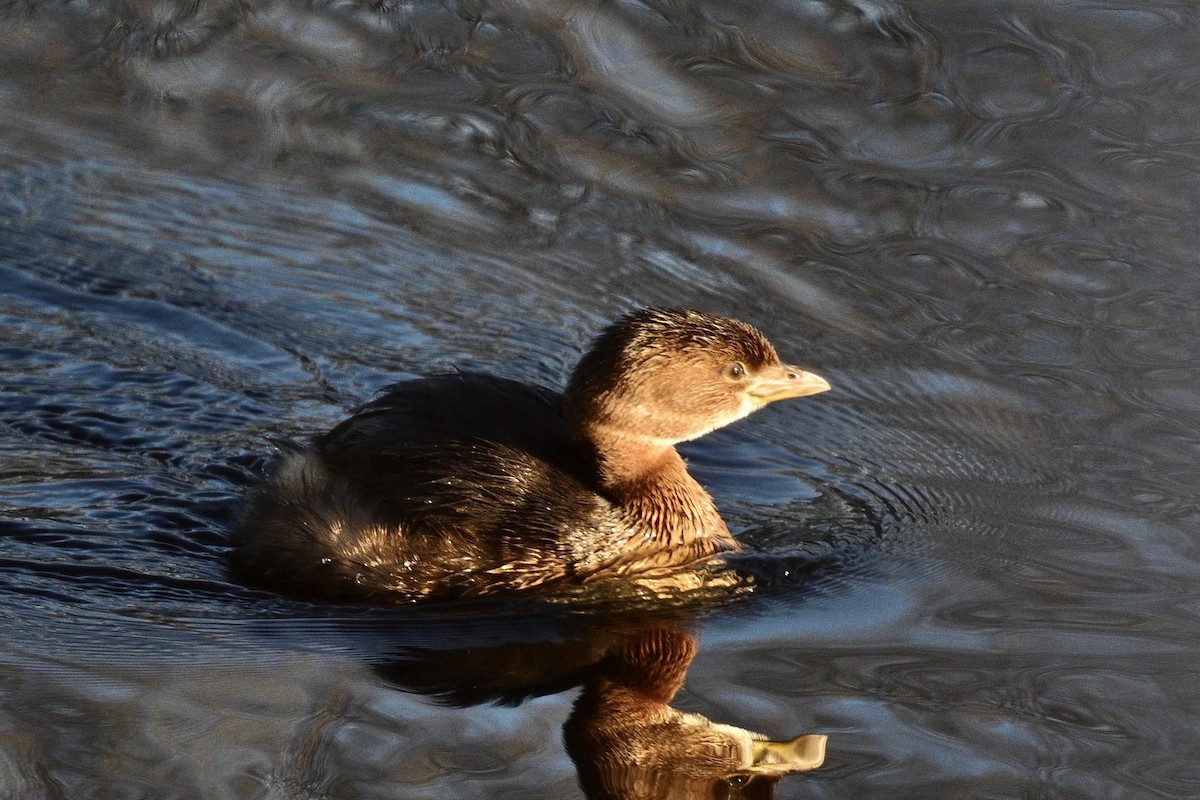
624	737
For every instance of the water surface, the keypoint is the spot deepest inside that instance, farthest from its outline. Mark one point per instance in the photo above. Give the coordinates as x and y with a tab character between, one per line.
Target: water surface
224	224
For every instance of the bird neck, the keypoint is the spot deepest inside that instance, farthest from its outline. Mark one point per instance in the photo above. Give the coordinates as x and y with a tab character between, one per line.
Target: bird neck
650	481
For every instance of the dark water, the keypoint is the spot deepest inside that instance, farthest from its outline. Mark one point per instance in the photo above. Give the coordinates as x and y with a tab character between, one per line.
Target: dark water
223	222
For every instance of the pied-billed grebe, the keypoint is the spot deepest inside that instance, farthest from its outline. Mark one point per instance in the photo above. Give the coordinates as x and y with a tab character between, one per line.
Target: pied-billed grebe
465	485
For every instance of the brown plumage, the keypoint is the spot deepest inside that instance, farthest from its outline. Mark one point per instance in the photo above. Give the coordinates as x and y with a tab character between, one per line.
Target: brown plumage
467	484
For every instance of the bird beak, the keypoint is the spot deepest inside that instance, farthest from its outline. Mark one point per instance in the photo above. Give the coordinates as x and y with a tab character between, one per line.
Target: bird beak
784	381
801	754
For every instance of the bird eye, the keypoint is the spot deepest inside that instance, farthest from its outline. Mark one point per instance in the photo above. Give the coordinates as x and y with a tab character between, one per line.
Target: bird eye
735	371
740	779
